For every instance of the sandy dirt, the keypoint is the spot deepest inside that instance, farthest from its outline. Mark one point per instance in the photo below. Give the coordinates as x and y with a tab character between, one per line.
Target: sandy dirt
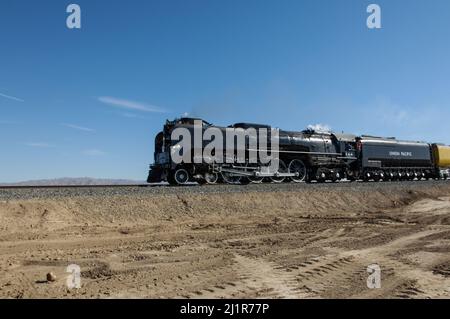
296	244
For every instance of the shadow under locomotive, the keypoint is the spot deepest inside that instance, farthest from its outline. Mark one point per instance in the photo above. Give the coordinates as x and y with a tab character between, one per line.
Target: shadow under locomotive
303	156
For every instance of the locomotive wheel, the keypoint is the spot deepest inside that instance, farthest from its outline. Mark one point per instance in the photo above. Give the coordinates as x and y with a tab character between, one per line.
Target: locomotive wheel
211	178
351	176
255	179
321	176
336	177
282	168
181	176
229	178
397	176
297	166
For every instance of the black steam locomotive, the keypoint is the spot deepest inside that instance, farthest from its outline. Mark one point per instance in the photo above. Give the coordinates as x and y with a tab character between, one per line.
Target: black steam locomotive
304	156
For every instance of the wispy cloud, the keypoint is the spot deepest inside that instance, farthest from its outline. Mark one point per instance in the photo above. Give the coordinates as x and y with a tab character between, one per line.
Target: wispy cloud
39	145
11	97
131	105
133	116
94	152
77	127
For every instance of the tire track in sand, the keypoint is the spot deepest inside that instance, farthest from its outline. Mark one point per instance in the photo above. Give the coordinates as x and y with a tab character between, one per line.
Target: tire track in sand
258	278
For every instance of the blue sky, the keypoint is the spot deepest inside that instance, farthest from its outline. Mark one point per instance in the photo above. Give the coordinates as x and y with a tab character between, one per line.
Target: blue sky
88	102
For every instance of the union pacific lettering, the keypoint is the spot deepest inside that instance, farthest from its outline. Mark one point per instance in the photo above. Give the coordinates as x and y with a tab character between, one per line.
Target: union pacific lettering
404	154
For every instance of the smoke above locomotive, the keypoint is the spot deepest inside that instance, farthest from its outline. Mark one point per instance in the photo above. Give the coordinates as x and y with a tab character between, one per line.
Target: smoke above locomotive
193	150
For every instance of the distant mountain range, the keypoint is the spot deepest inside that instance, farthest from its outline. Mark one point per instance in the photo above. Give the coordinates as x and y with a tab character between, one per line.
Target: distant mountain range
74	181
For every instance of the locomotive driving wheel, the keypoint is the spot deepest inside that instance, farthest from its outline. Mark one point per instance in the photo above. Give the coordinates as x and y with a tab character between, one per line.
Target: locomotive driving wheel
211	178
297	167
231	178
282	168
254	179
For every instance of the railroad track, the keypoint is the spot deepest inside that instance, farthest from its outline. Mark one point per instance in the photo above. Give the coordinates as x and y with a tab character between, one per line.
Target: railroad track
20	192
165	185
78	186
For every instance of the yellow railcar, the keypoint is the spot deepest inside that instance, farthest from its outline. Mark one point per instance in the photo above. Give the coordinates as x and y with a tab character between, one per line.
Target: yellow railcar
441	155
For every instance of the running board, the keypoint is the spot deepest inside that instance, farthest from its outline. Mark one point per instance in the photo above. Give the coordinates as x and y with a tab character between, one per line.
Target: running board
257	173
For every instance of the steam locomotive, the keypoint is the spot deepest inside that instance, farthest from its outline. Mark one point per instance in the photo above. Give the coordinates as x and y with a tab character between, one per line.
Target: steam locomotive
303	156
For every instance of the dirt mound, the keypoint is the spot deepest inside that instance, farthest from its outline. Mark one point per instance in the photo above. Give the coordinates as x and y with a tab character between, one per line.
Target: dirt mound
48	215
310	242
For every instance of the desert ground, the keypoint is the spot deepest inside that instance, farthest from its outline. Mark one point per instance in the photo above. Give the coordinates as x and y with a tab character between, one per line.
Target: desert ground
254	241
